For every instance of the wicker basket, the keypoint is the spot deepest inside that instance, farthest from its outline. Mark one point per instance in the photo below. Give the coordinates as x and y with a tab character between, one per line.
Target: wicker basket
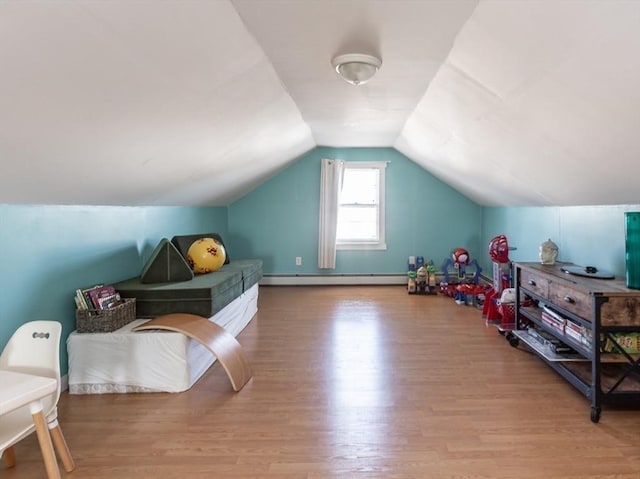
106	320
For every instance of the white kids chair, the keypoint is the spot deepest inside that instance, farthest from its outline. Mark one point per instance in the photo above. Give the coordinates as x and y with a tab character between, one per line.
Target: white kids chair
34	349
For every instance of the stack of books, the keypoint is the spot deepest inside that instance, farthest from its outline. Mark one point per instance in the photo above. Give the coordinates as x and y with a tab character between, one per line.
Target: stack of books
554	319
576	332
97	298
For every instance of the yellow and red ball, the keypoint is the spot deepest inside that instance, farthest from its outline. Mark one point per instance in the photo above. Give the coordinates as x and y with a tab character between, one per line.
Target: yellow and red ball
206	255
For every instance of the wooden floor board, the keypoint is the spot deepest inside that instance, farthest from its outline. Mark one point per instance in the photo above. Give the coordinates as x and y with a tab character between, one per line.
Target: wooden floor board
354	382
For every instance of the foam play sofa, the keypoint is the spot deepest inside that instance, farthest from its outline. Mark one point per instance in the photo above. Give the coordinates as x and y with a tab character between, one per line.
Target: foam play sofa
205	294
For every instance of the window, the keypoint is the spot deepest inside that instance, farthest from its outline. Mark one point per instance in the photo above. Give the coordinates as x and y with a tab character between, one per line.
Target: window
361	206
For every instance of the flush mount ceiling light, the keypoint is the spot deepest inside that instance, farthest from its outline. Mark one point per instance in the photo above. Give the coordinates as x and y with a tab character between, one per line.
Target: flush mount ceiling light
356	68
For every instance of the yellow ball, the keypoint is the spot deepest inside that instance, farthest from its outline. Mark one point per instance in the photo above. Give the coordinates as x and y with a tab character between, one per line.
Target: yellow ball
206	255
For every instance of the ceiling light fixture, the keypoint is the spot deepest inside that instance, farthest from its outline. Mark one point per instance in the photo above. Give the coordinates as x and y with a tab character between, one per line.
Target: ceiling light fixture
356	68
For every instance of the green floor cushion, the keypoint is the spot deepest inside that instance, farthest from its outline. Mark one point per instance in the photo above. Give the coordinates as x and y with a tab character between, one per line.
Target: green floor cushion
166	264
251	270
204	295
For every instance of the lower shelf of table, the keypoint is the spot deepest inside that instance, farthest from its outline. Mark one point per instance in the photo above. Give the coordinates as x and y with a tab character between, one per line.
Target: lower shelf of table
546	352
610	374
611	368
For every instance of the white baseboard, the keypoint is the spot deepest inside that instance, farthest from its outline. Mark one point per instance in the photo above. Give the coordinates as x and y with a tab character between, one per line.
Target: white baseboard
332	280
343	279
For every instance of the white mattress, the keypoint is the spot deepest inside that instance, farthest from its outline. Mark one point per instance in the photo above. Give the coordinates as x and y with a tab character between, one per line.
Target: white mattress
148	361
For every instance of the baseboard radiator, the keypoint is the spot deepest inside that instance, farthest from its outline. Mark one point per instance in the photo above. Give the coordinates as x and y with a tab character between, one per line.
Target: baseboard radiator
333	279
345	279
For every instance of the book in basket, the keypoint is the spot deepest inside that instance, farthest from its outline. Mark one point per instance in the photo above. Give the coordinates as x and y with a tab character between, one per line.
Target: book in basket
99	294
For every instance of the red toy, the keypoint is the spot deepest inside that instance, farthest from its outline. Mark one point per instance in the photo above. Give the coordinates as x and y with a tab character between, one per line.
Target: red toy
499	249
460	256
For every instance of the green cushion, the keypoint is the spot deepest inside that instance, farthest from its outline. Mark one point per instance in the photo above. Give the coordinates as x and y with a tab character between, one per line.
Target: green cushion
204	295
166	264
251	270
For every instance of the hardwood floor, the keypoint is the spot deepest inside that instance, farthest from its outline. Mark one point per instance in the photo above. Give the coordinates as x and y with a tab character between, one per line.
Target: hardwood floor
354	382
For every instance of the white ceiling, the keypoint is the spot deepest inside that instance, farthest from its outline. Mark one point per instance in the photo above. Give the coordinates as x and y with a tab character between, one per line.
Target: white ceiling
195	102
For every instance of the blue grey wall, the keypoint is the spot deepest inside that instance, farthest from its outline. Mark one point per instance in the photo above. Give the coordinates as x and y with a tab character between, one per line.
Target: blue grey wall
47	252
585	235
279	220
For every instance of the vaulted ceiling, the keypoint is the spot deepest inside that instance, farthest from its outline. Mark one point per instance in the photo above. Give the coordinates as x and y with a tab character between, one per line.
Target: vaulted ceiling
195	102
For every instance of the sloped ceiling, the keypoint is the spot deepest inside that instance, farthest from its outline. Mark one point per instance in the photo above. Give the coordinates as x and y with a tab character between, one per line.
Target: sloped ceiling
195	102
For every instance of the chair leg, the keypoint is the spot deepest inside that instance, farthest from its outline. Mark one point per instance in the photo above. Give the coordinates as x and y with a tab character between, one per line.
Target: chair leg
9	456
62	449
46	446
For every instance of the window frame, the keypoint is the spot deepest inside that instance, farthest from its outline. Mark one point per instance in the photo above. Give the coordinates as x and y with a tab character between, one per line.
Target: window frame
380	243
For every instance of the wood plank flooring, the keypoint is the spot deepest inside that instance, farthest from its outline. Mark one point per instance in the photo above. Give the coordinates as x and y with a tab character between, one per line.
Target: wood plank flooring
354	382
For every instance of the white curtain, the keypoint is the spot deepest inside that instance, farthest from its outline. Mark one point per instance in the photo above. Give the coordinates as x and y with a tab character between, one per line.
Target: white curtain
330	184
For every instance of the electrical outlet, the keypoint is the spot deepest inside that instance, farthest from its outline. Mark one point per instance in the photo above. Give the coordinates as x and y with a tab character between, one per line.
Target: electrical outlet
298	260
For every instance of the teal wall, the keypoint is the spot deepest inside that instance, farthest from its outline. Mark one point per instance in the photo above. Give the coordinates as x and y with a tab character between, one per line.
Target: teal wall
279	220
50	251
585	235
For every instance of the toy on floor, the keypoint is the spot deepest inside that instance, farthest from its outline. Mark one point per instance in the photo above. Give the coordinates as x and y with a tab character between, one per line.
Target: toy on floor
499	249
411	284
421	277
462	288
499	253
469	294
460	260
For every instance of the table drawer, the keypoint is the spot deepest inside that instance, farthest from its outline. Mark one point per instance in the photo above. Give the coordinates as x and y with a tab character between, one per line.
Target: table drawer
571	299
535	283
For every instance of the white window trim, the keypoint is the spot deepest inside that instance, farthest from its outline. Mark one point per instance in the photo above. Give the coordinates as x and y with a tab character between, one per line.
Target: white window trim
381	244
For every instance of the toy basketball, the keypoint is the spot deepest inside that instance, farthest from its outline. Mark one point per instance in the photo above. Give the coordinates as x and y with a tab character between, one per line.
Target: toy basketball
499	249
206	255
460	256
